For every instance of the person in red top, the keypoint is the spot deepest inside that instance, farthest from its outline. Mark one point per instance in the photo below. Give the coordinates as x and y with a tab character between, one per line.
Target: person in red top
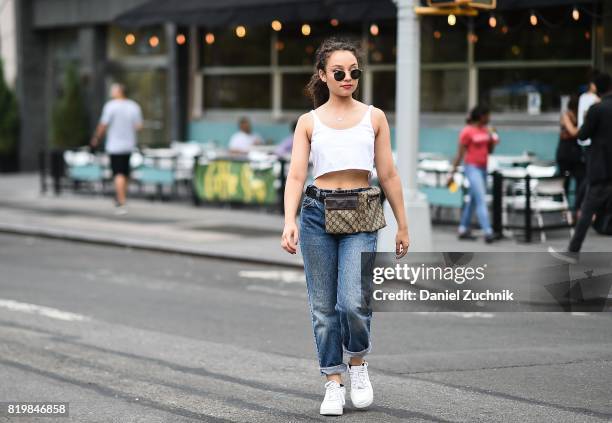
476	142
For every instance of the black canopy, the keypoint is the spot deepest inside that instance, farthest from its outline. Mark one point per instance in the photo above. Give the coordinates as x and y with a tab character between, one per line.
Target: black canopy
218	13
223	13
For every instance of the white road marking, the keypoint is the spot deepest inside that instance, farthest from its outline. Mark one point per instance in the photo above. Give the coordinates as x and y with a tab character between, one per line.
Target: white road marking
53	313
285	276
465	315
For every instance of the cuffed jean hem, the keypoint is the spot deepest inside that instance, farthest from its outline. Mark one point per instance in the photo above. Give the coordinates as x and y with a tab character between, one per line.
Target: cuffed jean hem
359	353
340	368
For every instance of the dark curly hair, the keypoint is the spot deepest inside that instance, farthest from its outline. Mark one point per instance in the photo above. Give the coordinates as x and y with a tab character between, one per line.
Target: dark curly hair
316	89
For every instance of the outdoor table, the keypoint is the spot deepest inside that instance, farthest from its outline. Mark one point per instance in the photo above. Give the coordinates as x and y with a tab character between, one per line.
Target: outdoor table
514	174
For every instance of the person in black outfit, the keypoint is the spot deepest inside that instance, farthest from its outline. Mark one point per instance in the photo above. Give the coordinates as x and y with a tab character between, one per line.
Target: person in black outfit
569	156
598	127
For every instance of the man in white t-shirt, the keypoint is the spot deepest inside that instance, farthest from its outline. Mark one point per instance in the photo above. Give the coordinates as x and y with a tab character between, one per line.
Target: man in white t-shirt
586	100
242	141
121	119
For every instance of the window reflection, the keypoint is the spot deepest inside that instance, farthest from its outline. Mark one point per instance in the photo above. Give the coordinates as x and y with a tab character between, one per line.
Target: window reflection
293	92
237	92
444	90
227	49
507	90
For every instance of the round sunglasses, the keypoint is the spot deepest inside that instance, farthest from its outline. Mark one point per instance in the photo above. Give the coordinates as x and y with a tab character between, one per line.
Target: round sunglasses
340	74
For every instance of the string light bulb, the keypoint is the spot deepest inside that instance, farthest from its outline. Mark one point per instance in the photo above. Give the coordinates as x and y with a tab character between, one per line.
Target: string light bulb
306	30
181	39
334	22
130	39
154	41
492	21
241	31
276	25
533	19
575	14
209	38
374	30
452	19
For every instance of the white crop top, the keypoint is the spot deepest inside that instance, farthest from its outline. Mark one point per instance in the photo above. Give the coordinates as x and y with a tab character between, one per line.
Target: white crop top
339	149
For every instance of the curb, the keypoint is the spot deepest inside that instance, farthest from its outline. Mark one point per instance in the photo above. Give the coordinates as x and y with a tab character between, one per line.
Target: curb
136	244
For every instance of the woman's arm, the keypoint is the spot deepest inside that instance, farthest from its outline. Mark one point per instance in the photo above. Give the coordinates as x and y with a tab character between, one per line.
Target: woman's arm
294	186
458	158
390	181
569	125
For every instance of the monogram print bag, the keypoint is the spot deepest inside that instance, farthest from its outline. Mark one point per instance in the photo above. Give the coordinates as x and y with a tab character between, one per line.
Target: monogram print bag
354	212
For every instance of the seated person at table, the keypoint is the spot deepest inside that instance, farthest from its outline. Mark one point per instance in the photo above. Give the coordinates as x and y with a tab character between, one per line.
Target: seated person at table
476	142
242	141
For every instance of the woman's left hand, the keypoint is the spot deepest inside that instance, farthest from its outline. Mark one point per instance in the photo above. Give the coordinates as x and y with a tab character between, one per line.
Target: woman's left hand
402	242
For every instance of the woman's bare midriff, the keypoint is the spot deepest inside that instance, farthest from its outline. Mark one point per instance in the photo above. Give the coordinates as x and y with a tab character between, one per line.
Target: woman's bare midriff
343	179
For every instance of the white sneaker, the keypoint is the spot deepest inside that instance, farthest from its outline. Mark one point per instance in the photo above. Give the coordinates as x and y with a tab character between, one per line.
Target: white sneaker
362	394
120	210
333	403
566	256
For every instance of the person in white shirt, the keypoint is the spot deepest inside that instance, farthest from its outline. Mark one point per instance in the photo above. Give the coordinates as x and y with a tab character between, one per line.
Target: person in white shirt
121	119
242	141
586	100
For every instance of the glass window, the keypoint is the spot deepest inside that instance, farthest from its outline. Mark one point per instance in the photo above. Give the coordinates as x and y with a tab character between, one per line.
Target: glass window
381	48
444	90
383	90
294	48
507	90
136	42
237	92
293	92
441	42
556	37
148	89
64	51
227	49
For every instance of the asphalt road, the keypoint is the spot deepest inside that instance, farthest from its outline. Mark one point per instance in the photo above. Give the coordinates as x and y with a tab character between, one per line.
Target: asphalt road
132	336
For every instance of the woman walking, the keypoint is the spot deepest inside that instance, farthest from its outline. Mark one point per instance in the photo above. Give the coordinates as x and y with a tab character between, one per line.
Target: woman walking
476	142
346	138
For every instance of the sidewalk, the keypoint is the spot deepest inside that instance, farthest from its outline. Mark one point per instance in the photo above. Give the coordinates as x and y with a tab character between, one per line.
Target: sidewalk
180	227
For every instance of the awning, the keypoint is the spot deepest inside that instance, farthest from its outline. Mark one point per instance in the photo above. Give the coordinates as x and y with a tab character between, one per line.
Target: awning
224	13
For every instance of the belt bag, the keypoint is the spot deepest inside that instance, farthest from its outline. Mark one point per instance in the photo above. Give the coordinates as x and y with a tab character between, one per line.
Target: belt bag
352	212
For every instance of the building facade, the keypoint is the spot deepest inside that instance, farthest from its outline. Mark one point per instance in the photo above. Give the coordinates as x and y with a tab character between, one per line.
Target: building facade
195	80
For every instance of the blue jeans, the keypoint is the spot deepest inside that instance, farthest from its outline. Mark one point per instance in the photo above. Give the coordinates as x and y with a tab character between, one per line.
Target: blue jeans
338	297
477	177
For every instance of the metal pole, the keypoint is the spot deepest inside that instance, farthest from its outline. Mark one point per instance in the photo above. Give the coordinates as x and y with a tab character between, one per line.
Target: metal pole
407	100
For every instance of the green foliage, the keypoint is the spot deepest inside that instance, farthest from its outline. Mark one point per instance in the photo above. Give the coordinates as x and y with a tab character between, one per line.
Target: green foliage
69	123
9	117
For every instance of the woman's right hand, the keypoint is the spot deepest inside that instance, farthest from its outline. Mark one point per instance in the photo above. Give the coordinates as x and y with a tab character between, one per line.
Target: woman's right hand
290	237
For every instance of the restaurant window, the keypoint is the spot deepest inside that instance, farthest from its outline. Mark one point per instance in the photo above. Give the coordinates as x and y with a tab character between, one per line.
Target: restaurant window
444	90
441	42
237	92
383	94
293	92
508	90
225	48
555	37
125	42
294	48
382	42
